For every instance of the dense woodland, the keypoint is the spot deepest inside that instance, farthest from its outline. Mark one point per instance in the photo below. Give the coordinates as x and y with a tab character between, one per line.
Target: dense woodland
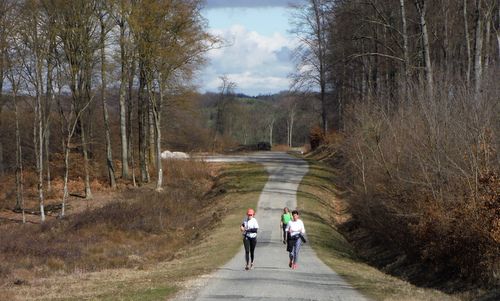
402	96
410	98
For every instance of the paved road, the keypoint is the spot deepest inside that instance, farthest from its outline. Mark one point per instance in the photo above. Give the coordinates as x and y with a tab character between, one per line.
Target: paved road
272	279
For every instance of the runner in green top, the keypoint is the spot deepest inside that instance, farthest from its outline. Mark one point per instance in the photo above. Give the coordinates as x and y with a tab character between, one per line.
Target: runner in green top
285	218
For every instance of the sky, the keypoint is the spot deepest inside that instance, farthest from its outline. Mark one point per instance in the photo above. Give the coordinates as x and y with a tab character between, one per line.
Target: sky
258	45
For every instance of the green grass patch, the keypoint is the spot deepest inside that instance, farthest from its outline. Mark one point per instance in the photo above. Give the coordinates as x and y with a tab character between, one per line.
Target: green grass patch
147	294
322	209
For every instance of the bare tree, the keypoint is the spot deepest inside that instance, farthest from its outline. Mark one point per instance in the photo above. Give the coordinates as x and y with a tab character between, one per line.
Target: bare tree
14	76
478	46
77	27
120	11
104	22
5	8
226	94
33	34
311	23
467	41
422	10
406	53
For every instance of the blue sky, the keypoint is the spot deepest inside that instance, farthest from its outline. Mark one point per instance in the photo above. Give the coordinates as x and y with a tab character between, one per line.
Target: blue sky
257	55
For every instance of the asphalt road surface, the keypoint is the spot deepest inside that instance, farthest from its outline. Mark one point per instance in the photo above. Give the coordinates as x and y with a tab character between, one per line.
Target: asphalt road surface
271	278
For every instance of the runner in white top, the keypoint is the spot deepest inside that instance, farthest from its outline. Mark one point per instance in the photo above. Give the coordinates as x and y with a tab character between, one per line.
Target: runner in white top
296	230
249	228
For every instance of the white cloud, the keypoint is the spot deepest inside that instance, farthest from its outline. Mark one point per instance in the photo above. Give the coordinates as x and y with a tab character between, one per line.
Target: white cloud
255	62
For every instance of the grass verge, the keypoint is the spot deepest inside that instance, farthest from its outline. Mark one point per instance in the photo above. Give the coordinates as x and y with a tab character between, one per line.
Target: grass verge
322	211
237	188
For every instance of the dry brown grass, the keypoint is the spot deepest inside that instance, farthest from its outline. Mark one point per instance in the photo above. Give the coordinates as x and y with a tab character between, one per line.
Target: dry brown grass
424	179
138	247
323	211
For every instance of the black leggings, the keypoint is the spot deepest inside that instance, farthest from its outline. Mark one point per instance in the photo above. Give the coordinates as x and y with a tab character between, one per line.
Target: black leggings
249	244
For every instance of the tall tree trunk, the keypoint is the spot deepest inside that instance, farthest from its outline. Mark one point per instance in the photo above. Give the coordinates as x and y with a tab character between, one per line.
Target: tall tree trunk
19	162
151	135
141	117
130	103
109	152
478	47
88	191
445	62
467	43
421	8
487	36
156	108
271	126
66	175
497	28
320	32
38	139
123	108
49	99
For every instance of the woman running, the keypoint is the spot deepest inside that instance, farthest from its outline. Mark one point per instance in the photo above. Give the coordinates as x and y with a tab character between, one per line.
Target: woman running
286	217
249	228
296	230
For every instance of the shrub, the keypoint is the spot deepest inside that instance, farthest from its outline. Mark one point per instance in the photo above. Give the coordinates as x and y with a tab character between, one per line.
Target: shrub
425	178
316	137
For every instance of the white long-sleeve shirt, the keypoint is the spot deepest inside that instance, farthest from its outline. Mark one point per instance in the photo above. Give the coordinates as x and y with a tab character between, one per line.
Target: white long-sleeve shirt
295	227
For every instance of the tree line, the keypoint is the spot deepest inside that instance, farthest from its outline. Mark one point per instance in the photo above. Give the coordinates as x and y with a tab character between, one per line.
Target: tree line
410	97
63	61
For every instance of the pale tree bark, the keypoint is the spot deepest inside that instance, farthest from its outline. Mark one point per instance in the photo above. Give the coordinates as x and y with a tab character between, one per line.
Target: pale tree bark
68	127
109	152
497	28
77	30
488	20
130	152
271	127
467	43
422	9
49	100
32	57
156	110
291	121
19	162
37	81
120	20
141	118
39	137
151	134
83	138
445	61
478	47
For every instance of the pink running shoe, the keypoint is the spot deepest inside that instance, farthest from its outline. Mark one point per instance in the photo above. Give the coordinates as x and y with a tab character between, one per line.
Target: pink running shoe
294	266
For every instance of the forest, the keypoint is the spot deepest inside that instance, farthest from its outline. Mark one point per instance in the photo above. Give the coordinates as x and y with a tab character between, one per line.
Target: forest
401	97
